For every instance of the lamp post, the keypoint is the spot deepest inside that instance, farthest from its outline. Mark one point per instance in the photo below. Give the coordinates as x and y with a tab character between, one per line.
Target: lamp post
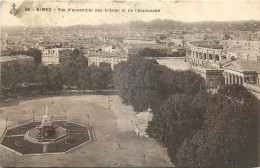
52	99
6	122
33	114
144	159
88	120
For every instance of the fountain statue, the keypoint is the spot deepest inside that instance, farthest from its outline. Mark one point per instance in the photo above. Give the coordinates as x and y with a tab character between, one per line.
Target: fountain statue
47	128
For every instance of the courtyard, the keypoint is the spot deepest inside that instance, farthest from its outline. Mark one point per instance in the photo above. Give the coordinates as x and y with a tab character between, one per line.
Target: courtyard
113	142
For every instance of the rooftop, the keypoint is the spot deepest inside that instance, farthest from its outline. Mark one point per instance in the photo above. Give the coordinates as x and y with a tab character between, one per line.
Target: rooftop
242	65
107	55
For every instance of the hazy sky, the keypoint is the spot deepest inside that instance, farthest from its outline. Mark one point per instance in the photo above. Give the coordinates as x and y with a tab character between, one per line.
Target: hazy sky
187	11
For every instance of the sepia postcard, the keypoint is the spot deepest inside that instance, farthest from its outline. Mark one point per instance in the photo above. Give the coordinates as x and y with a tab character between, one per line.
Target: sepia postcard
127	83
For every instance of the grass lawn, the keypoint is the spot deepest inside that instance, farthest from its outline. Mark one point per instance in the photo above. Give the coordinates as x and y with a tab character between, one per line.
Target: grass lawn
115	144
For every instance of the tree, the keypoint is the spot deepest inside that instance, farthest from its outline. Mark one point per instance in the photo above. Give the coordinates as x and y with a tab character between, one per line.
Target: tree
42	77
55	78
136	80
179	117
84	79
27	76
69	73
97	78
229	137
141	81
107	72
11	77
36	54
147	52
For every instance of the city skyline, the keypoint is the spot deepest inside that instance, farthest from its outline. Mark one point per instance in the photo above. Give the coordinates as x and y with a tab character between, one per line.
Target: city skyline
184	11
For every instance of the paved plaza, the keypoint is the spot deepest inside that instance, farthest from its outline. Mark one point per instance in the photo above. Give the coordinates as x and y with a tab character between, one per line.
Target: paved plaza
113	145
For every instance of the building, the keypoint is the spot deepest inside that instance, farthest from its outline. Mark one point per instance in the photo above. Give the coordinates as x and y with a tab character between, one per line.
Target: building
54	55
218	68
139	41
243	72
205	56
96	59
207	61
245	49
21	59
134	49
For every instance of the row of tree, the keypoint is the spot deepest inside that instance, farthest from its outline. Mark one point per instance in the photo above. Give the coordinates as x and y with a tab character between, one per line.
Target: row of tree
199	129
141	81
206	130
22	79
35	53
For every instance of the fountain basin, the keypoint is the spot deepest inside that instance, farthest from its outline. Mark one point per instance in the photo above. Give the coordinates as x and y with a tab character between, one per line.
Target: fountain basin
33	135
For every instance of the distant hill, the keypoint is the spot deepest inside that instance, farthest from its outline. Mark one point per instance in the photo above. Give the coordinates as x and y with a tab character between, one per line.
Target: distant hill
250	25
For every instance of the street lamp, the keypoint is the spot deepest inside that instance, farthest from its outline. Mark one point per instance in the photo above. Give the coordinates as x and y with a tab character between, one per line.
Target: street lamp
52	98
6	122
144	159
33	114
88	120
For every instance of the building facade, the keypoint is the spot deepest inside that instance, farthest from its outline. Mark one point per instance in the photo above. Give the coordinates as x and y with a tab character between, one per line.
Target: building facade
218	68
113	60
245	49
54	56
139	41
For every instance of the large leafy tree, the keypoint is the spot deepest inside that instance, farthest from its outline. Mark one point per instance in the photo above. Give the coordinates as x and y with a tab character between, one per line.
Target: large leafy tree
230	133
35	53
69	73
27	76
42	77
98	78
141	81
136	82
55	78
105	68
11	77
179	117
84	78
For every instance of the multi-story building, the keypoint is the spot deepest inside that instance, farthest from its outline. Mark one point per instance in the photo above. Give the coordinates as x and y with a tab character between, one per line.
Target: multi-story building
54	55
139	41
112	59
245	49
134	49
217	68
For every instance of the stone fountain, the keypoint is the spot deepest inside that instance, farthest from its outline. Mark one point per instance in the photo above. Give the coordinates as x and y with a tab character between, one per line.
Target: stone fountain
46	132
47	128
